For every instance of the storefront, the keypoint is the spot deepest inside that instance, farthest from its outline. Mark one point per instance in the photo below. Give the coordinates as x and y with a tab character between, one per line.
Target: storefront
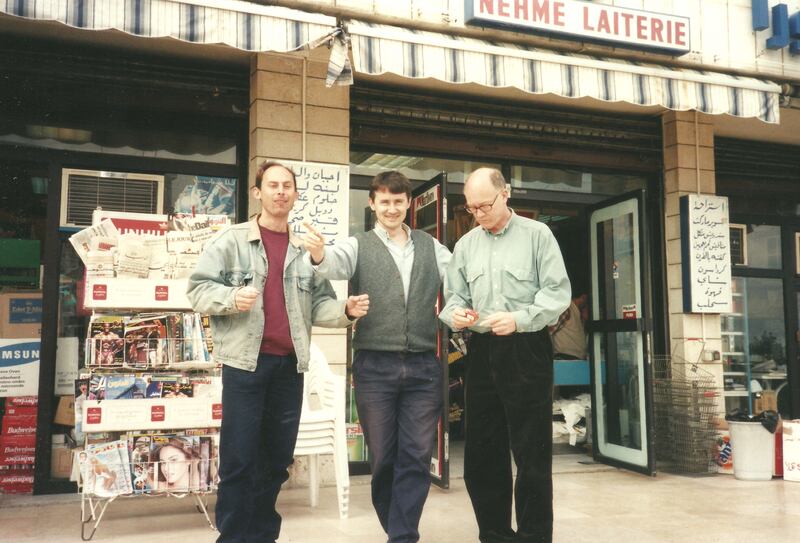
599	131
131	132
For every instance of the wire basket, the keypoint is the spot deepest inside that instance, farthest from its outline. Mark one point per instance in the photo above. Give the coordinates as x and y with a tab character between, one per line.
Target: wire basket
685	405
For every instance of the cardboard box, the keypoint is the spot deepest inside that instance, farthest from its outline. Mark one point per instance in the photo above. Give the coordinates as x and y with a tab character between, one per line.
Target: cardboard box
65	412
24	411
791	450
19	426
61	462
16	481
766	401
21	314
17	450
22	401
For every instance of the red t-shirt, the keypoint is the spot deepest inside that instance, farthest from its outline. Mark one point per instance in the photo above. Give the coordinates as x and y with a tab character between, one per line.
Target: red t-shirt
277	338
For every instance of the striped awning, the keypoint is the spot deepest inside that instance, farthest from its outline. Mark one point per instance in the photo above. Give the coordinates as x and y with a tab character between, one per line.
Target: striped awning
244	25
385	49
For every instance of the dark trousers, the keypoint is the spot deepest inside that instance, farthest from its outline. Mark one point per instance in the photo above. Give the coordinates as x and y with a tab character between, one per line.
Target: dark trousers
261	415
399	399
508	404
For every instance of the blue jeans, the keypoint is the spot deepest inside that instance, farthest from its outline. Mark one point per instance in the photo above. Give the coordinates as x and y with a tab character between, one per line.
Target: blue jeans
261	415
399	400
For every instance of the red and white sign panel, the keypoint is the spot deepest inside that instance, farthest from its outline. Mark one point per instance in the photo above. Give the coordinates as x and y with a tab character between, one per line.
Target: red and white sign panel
586	20
151	414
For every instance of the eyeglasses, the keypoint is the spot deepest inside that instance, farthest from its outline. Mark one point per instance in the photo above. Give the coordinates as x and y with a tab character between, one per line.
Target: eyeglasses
484	208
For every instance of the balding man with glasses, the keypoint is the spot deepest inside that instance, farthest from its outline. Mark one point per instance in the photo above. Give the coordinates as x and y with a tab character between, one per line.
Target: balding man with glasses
507	282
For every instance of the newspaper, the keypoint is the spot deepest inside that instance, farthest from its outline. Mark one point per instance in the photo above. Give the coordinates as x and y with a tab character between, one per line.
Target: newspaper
134	256
100	237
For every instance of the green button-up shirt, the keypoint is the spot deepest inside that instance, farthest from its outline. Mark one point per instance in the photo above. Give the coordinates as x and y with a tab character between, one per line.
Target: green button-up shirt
519	270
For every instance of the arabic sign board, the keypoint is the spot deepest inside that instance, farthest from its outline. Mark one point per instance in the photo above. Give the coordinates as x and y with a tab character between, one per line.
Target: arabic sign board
324	202
706	254
323	199
586	20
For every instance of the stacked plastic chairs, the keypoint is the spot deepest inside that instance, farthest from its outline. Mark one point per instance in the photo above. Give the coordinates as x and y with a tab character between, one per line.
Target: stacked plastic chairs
322	427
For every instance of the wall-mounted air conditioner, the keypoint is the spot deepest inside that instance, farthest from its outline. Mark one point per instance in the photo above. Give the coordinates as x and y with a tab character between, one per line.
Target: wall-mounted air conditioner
82	191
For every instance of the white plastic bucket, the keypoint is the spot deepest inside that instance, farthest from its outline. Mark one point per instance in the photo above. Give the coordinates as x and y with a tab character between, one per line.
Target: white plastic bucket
753	451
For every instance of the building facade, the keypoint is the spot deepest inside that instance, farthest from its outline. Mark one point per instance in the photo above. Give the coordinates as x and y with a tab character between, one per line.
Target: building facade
602	116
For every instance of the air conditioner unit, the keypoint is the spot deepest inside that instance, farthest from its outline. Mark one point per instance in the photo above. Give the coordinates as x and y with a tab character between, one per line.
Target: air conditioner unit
83	191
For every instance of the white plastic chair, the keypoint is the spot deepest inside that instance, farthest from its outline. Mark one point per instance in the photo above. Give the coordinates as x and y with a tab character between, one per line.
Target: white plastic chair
322	427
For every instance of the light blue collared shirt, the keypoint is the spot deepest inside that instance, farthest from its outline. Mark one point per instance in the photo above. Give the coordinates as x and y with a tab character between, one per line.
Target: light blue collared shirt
518	270
341	258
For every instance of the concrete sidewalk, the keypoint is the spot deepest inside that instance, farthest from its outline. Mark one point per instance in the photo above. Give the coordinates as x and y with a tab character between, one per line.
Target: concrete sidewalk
597	507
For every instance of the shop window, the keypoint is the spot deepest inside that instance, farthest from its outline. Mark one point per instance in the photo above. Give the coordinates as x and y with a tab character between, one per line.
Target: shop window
201	194
121	141
562	180
756	246
754	347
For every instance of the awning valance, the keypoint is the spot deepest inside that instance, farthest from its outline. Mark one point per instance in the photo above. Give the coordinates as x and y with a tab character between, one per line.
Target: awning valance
244	25
383	49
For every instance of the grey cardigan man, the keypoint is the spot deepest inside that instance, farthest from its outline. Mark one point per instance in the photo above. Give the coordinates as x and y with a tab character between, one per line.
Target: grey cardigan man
396	375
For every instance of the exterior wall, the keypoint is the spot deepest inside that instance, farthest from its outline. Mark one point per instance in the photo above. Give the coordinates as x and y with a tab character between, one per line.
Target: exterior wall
688	140
277	119
278	116
721	30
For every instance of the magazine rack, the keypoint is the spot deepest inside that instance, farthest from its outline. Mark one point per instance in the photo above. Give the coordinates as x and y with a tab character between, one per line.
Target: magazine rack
113	362
146	372
93	507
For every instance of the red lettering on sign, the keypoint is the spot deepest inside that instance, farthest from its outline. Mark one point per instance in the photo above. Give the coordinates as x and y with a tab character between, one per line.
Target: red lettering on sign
157	413
94	415
627	17
558	13
162	293
502	8
99	292
541	11
641	27
655	29
680	33
602	22
521	9
487	6
216	411
586	25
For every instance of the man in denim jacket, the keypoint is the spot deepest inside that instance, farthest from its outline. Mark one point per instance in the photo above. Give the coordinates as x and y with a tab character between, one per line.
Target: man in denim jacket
262	298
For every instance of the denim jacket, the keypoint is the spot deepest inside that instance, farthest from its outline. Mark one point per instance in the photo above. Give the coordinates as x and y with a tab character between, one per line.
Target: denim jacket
236	258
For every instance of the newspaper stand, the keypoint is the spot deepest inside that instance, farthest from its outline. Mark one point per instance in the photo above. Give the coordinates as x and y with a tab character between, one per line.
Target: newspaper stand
685	403
121	296
148	414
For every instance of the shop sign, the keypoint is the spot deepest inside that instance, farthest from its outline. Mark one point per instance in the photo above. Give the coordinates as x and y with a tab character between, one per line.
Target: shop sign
24	310
785	29
705	254
586	21
19	367
157	413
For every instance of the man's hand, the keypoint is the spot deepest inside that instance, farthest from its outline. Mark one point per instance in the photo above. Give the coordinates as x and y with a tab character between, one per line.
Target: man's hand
502	323
464	318
245	297
357	306
315	244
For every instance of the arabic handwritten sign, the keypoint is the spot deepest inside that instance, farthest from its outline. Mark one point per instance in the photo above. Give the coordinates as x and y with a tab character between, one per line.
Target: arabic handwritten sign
323	199
706	262
323	202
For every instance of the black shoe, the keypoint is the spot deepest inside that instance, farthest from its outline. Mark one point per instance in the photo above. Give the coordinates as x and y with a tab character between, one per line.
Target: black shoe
496	536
